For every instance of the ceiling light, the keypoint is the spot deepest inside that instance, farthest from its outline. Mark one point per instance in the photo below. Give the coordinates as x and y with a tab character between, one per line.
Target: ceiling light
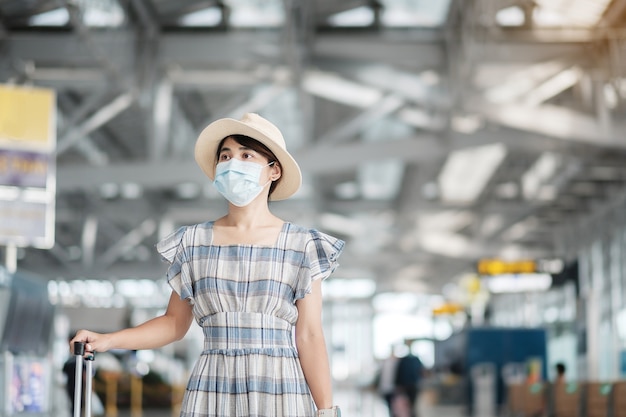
56	17
466	172
208	17
510	16
267	13
102	13
357	17
414	14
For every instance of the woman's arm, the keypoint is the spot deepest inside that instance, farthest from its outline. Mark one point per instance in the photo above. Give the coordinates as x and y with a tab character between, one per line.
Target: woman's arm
312	347
154	333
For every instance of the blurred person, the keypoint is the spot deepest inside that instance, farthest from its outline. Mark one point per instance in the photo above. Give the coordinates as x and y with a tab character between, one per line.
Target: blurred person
560	373
386	381
409	372
248	278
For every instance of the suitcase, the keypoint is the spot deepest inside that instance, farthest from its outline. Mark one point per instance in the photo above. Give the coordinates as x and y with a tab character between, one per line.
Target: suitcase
79	352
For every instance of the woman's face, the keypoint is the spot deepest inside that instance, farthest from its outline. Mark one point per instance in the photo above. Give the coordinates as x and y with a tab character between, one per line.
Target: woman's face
246	148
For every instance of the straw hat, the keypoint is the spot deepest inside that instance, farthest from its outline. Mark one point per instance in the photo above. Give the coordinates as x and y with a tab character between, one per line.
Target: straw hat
256	127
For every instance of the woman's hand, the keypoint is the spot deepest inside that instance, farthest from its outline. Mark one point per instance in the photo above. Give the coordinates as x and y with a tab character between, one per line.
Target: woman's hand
94	342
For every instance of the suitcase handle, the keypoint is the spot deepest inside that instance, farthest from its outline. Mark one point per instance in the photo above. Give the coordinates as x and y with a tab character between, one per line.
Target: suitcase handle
79	352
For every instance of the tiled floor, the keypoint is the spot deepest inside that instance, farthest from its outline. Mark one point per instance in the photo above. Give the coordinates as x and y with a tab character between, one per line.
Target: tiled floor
354	403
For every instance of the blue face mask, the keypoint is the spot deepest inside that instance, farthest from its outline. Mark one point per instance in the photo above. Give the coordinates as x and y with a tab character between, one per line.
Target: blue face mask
238	181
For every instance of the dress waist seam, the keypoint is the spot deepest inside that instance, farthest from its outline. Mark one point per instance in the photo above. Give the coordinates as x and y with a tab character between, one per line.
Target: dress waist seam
275	351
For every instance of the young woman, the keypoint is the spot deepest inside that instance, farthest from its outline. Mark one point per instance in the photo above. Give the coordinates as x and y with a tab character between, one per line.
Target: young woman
252	282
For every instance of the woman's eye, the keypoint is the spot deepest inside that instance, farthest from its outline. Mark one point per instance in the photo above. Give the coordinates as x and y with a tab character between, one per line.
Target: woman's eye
223	157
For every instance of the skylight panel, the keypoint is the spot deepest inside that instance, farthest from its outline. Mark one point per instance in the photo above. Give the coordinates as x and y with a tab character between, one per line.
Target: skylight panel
102	13
56	17
256	13
209	17
510	16
357	17
400	13
569	13
466	172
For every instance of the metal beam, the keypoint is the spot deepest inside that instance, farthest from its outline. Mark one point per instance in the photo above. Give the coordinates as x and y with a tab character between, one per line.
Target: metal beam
554	121
199	49
351	128
101	117
133	238
326	158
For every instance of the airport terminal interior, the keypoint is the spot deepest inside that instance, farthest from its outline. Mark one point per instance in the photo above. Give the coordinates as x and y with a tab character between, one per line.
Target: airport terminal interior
470	153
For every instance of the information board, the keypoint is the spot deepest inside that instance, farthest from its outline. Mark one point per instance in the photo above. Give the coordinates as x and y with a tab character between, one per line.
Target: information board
27	166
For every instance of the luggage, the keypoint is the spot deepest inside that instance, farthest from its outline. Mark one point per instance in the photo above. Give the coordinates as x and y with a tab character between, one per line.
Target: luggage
79	352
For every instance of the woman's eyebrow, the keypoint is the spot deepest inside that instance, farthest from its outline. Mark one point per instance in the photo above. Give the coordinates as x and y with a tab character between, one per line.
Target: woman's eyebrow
241	148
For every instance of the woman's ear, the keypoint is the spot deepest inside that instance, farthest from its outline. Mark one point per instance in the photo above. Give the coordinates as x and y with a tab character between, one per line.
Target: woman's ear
276	171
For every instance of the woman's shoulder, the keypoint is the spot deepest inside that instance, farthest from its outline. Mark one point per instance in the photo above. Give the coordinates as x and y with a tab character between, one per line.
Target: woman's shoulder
306	234
191	232
301	231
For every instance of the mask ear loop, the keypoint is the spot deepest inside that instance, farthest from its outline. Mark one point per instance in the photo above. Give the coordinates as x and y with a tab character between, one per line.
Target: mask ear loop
272	163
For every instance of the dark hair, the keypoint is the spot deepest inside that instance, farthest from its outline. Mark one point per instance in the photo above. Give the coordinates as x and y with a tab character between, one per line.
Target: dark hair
560	368
256	146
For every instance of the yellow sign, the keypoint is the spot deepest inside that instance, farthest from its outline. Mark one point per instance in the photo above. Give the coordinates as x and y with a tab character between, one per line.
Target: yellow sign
448	308
497	267
27	117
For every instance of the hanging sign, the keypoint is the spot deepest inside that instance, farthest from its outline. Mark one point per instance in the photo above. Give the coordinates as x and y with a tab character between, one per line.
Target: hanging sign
27	166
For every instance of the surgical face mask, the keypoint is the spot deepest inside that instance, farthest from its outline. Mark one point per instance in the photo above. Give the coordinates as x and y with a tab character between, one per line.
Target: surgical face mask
238	181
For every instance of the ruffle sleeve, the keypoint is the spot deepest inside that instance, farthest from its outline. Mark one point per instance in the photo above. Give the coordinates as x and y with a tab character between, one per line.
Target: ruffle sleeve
173	250
320	260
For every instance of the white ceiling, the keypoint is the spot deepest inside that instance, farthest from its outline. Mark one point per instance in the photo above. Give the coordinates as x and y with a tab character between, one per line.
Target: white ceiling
430	134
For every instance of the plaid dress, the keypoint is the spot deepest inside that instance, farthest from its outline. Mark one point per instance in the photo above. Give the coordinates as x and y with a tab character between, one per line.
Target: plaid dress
243	297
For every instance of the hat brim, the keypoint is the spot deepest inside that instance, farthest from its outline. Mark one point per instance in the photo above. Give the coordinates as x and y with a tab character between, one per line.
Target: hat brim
206	152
